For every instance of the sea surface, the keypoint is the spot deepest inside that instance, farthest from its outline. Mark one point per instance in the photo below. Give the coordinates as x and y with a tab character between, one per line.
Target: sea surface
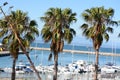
41	57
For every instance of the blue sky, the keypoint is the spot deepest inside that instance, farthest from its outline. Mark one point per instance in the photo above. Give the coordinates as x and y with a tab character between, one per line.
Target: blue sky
37	8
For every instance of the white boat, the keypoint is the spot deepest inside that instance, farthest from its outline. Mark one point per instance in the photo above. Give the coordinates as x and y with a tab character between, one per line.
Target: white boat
108	69
20	69
7	70
90	68
23	68
78	66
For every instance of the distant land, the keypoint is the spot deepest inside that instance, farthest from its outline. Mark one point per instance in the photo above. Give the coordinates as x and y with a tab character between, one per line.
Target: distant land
82	41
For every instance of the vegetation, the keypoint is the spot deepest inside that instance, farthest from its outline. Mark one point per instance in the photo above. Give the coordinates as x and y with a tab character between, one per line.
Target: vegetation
96	28
18	31
57	30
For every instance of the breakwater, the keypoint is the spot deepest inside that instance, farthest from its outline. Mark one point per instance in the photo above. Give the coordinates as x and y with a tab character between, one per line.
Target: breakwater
4	53
79	51
7	53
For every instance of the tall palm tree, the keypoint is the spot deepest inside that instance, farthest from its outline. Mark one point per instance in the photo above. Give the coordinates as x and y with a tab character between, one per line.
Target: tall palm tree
18	31
57	30
97	27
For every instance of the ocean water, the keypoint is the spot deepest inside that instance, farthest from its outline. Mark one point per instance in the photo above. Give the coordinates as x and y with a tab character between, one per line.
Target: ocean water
41	57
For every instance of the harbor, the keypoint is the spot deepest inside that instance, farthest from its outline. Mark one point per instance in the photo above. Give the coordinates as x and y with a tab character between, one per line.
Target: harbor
73	64
7	53
69	72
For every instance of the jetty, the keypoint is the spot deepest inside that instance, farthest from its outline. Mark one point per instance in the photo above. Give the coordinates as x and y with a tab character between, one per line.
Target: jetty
7	53
4	53
79	51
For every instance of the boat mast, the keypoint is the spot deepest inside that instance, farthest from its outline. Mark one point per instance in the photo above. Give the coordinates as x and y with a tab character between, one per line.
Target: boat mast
73	54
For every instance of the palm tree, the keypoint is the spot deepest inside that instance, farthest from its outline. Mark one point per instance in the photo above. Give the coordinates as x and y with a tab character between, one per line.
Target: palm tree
18	31
57	30
96	28
12	44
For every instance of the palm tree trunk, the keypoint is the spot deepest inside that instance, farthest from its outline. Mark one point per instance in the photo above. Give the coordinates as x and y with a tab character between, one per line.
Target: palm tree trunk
32	65
13	69
55	66
96	65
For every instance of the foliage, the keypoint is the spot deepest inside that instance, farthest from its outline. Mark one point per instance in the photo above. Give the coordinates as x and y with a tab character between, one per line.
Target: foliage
97	26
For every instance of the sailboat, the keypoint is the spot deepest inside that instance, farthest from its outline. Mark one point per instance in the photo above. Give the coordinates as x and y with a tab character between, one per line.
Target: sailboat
111	67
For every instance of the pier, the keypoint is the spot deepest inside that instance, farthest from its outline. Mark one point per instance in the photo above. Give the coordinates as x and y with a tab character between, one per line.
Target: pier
7	53
79	52
4	53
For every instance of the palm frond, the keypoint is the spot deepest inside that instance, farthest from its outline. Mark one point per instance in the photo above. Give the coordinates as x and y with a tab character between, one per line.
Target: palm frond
106	36
84	26
109	29
72	31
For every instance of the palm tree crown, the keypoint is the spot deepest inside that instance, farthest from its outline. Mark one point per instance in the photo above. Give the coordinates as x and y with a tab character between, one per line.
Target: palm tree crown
57	25
22	26
98	24
57	20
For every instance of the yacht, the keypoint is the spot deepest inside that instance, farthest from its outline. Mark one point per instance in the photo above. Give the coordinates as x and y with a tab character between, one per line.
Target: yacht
109	68
20	69
23	68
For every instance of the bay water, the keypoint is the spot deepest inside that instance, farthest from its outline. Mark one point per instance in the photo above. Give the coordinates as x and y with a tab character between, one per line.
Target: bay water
41	57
